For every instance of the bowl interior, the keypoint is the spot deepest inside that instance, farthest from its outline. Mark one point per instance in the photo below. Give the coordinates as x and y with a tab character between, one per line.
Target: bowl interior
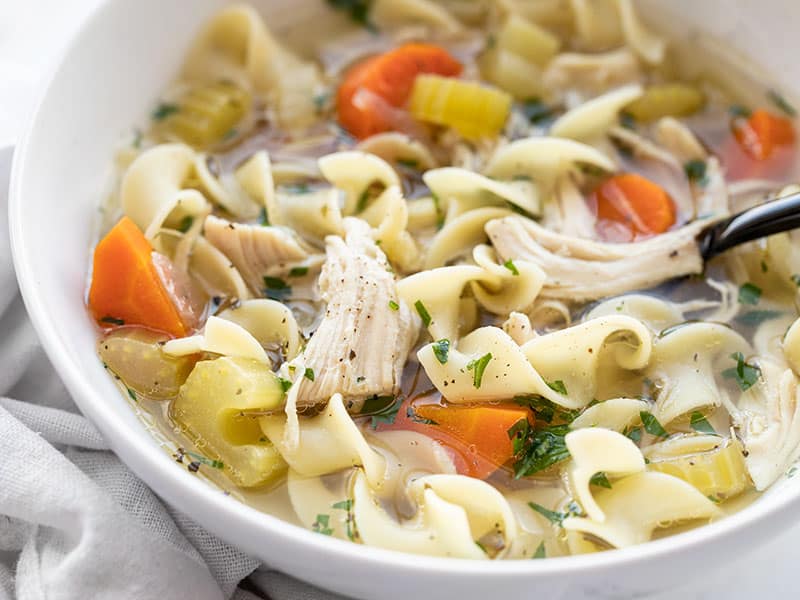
106	83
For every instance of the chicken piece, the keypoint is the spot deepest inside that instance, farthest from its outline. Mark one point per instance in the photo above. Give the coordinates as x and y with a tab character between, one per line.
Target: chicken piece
255	250
581	270
362	343
768	419
592	73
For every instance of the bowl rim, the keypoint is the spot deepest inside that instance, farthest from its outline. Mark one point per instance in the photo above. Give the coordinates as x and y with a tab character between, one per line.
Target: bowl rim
176	485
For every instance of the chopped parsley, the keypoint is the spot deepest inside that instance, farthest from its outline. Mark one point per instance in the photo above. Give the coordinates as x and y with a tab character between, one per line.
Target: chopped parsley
781	103
112	320
651	425
186	223
441	350
394	305
216	464
699	423
363	199
309	374
357	10
277	288
137	139
347	505
542	449
795	279
634	434
286	384
382	409
322	101
478	366
439	212
540	551
423	313
696	171
518	433
263	219
536	111
322	525
132	394
737	110
409	163
411	414
546	410
600	480
749	293
554	516
764	267
298	271
557	386
509	264
756	317
745	375
163	110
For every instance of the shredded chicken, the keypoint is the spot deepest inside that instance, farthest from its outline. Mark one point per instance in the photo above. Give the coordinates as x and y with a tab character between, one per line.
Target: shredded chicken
580	270
363	341
592	73
768	420
255	250
569	213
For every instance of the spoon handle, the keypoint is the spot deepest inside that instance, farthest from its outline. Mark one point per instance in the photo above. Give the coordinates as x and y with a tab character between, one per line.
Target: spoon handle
760	221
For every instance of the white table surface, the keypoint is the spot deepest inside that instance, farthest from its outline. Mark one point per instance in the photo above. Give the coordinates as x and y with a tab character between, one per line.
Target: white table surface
32	35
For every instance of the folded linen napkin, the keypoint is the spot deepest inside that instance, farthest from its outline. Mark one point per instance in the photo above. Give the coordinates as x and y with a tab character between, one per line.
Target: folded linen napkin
76	523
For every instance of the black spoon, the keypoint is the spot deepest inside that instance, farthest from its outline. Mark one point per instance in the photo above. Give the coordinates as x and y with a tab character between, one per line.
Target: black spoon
766	219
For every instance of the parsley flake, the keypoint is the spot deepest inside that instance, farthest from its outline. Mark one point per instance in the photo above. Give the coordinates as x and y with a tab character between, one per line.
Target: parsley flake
423	313
554	516
478	366
546	410
409	163
394	305
600	480
357	10
382	409
441	350
277	288
781	103
263	219
540	551
309	374
509	264
557	386
634	434
537	111
699	423
322	525
749	293
542	449
696	171
298	272
518	433
745	375
651	425
411	414
286	384
737	110
163	110
795	279
215	464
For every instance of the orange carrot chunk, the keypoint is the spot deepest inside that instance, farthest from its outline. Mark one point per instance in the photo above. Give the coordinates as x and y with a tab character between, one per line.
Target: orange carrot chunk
390	77
126	288
637	204
763	133
480	433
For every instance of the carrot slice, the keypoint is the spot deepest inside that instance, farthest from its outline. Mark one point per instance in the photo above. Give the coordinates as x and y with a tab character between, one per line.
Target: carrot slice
763	133
389	76
126	287
477	437
638	205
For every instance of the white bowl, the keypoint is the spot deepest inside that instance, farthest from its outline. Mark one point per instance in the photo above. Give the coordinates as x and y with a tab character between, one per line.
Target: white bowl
108	78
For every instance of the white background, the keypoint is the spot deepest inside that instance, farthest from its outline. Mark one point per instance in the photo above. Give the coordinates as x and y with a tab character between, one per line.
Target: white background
32	35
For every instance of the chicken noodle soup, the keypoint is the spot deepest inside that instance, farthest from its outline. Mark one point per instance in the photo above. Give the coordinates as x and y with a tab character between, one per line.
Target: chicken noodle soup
430	282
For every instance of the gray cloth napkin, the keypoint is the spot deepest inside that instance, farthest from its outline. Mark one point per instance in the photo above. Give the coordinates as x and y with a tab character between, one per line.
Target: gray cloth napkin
76	523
